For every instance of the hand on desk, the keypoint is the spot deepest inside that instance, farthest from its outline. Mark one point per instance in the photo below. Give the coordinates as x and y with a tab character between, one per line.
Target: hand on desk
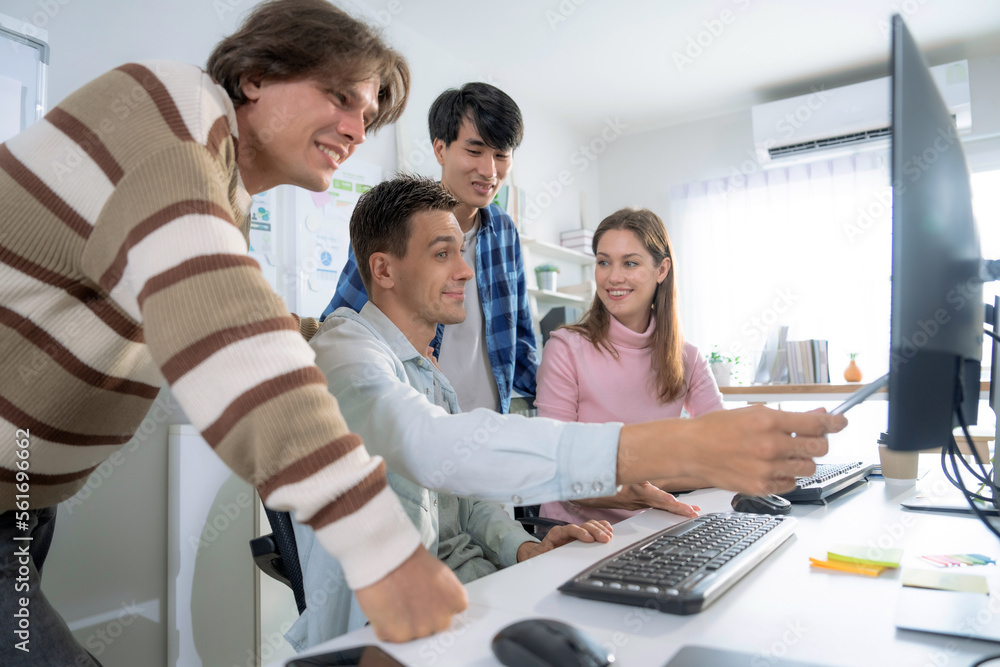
416	599
752	450
641	496
592	531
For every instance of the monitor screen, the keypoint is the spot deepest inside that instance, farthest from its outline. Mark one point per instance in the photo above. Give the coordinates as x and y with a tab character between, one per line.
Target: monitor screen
937	295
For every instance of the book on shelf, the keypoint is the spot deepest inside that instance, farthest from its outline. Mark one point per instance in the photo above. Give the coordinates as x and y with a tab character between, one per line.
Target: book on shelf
580	240
773	365
808	362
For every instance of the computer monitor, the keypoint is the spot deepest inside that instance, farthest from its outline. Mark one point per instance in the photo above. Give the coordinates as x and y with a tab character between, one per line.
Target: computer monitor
937	295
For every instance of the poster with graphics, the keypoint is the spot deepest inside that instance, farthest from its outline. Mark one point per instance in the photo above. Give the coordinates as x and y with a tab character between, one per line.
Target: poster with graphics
322	236
263	236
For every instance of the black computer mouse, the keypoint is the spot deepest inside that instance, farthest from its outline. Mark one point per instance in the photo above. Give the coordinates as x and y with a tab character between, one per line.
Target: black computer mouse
543	642
744	502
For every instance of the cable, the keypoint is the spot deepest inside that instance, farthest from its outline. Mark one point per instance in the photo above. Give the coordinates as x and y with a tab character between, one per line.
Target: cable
991	334
957	481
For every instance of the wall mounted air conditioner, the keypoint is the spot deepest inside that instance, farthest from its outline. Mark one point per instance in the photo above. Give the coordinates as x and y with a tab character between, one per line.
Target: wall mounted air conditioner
854	117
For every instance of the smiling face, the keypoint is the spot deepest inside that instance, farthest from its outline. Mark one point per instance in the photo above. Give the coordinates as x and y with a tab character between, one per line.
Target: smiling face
627	276
470	170
428	283
299	132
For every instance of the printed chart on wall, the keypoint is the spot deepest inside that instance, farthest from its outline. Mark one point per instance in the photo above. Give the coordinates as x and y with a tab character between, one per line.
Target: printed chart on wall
322	236
262	235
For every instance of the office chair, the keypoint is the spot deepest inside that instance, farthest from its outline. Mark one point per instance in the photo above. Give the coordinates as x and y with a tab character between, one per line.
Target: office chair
277	555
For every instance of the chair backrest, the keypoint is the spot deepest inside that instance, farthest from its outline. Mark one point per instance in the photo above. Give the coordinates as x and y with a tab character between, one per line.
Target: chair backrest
277	555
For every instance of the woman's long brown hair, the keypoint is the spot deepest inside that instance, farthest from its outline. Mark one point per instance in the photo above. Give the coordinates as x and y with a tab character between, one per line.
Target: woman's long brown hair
668	342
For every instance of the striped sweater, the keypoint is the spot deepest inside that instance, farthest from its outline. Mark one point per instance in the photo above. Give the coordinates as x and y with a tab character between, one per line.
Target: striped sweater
123	262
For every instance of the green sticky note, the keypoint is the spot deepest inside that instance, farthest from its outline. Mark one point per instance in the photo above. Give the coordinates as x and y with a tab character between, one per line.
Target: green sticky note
868	555
945	581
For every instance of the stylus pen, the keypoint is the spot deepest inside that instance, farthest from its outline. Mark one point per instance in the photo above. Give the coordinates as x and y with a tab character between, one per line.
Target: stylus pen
860	395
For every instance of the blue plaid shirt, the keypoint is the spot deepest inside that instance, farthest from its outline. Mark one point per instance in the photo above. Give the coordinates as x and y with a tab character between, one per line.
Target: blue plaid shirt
510	338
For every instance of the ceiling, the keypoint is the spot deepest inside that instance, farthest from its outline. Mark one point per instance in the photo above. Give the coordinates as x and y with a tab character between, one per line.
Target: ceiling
663	62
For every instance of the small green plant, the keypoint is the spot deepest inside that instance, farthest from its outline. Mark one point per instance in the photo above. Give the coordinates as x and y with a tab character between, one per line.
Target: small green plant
716	357
547	268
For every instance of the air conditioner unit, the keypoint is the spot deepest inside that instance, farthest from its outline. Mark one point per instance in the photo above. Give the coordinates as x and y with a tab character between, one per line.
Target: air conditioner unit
854	117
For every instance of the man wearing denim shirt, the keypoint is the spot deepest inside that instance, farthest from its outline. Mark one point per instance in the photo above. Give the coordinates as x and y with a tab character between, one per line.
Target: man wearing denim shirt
474	131
419	287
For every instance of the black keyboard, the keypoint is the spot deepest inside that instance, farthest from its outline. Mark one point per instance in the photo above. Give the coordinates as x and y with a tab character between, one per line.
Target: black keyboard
686	567
829	479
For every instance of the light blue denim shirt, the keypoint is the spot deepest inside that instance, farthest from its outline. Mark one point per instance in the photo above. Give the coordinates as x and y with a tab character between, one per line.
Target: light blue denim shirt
473	537
383	386
406	411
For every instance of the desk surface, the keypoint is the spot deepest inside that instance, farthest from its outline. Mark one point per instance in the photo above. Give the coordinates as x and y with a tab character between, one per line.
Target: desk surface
782	609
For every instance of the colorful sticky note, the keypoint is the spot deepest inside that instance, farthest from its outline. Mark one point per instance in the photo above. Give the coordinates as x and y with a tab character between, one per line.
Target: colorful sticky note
945	581
866	555
954	560
853	568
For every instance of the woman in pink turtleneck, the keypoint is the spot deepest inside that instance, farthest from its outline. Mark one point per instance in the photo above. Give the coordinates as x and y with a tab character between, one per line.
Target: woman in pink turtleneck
626	361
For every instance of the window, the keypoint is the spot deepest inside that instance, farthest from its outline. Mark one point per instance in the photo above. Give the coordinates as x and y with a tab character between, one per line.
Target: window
807	246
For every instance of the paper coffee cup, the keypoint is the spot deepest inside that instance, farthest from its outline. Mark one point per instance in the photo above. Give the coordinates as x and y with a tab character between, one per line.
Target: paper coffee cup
898	467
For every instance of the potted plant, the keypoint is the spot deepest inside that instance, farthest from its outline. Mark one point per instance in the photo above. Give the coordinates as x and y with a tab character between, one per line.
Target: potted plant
722	367
546	275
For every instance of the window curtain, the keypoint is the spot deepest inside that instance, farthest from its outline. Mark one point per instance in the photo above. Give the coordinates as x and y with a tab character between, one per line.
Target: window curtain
807	245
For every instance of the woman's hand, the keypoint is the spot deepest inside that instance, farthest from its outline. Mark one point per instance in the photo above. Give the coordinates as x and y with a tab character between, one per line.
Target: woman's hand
592	531
641	496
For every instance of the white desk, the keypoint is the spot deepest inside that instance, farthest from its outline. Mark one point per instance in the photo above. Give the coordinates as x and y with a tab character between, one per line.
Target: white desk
783	608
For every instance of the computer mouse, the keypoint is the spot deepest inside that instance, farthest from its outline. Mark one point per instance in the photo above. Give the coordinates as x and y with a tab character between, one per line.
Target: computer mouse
744	502
544	642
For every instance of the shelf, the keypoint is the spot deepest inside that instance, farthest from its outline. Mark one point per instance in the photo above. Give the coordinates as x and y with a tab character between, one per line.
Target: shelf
558	298
557	251
775	393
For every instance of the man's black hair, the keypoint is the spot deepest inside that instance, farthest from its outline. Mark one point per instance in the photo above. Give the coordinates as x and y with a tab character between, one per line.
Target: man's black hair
493	113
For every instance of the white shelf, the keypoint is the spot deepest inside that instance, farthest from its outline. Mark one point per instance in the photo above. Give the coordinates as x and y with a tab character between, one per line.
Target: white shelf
557	298
557	251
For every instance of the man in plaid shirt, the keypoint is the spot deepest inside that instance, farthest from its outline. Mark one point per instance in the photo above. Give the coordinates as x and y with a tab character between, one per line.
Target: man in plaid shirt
475	130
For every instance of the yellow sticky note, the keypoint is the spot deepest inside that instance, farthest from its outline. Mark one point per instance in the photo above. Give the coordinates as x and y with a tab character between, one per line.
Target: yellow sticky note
866	555
945	581
853	568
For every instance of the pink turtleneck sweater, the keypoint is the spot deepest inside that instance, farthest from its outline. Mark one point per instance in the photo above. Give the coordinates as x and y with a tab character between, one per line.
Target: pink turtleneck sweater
581	383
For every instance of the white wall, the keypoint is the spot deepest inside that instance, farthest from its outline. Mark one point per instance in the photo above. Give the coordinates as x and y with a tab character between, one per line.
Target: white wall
639	169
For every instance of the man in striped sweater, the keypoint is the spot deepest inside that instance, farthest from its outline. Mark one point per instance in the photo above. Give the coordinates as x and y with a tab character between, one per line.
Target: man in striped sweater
123	263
